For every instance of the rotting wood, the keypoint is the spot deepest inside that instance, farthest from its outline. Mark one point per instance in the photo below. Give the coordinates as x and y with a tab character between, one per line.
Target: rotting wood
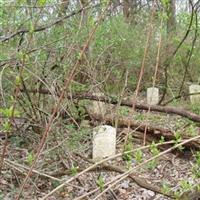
155	131
162	109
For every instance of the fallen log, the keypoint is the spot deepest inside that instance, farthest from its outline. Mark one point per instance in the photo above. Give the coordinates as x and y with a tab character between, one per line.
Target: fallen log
168	110
157	132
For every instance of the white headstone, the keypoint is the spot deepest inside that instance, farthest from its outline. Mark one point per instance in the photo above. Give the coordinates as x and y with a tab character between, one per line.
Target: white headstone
104	142
98	107
152	96
194	88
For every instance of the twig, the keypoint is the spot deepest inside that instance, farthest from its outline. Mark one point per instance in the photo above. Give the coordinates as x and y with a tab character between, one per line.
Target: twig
180	96
97	164
57	105
170	58
154	79
190	51
126	174
14	164
134	176
144	56
44	27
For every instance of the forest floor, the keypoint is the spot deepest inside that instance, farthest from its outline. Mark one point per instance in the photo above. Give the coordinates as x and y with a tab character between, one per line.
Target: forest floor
69	152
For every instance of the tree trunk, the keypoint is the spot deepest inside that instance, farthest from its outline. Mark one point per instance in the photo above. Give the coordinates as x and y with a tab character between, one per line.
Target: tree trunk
171	19
129	9
64	4
169	48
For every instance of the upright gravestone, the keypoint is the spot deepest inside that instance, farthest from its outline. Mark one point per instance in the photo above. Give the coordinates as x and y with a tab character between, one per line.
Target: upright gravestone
152	96
194	88
98	107
104	142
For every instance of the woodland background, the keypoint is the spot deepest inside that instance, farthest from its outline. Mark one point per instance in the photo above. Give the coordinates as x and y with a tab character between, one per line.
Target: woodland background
56	54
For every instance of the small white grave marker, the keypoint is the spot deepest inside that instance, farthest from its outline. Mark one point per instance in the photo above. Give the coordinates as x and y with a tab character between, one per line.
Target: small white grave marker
104	142
152	96
98	107
194	88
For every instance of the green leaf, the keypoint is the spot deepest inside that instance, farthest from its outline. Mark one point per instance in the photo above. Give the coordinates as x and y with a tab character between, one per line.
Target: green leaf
100	183
138	156
31	27
42	2
30	158
8	112
154	150
74	170
7	126
18	81
166	188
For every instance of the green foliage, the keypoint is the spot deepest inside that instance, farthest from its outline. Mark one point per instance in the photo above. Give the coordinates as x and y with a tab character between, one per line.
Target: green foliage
185	185
138	155
101	183
1	195
42	2
118	36
196	108
78	111
47	57
77	138
18	81
197	158
31	28
127	155
17	141
162	140
166	188
165	3
140	117
178	139
55	183
196	166
117	46
124	111
9	112
177	194
154	149
192	130
152	164
74	170
7	126
30	158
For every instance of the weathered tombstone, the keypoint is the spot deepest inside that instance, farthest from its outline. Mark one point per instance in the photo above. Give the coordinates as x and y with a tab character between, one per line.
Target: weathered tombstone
194	88
152	96
98	107
104	142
